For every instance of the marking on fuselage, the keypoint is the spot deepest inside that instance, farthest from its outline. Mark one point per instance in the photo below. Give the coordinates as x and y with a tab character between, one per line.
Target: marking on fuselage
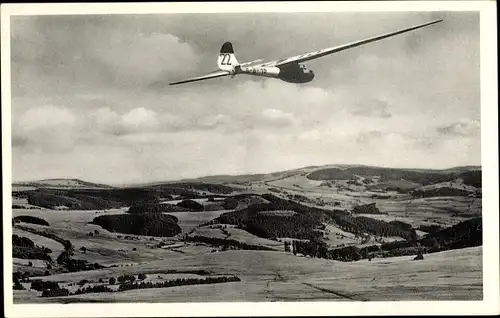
257	70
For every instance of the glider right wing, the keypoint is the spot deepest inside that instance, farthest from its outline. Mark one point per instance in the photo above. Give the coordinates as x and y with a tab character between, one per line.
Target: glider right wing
204	77
331	50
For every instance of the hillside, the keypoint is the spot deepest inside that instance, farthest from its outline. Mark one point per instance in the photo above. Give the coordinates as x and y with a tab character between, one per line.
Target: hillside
334	232
62	183
278	276
423	177
401	180
463	169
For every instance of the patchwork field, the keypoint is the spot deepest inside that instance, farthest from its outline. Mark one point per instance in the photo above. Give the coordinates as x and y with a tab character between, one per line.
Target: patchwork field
286	236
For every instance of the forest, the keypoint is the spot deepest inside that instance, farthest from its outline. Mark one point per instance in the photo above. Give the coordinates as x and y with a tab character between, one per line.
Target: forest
151	224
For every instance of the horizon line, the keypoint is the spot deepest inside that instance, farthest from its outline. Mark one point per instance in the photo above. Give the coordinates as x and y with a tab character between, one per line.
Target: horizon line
234	175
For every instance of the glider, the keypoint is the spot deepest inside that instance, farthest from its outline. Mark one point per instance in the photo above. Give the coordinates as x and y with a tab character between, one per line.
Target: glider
288	69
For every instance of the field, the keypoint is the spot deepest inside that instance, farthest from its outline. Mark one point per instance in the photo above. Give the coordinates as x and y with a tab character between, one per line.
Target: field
276	276
214	261
190	220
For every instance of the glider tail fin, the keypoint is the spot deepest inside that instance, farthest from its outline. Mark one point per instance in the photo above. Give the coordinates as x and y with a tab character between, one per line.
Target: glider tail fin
227	60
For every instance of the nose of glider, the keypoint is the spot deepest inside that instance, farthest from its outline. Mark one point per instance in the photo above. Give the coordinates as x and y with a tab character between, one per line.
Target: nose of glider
311	75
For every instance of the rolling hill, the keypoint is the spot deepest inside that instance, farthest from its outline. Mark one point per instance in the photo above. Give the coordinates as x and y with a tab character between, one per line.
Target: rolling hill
62	183
338	232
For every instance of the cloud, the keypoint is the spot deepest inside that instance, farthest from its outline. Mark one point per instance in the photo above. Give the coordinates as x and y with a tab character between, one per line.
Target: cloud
136	120
18	141
45	128
212	122
368	136
278	118
372	107
461	129
44	117
145	58
139	119
170	122
105	118
56	129
91	51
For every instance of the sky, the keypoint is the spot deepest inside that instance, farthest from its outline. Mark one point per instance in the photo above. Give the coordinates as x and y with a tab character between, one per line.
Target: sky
90	95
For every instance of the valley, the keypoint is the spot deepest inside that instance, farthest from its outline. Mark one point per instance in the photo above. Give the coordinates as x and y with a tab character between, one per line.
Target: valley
317	233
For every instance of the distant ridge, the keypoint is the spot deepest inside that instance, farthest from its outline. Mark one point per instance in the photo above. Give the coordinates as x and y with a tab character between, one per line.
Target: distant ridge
241	178
463	168
235	179
452	169
62	183
273	175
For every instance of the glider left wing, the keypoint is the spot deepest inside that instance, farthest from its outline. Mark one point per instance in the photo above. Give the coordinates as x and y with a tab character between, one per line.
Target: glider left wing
331	50
204	77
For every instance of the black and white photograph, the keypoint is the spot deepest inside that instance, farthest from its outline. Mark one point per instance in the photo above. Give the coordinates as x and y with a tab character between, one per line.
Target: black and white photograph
255	154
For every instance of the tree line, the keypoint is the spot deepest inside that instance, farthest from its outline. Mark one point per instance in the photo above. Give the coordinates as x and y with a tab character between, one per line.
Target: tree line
24	248
30	219
362	224
225	242
464	234
151	224
52	288
178	282
64	259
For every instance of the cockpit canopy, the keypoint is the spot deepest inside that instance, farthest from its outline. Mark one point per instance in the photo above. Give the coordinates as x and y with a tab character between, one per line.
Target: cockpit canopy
304	69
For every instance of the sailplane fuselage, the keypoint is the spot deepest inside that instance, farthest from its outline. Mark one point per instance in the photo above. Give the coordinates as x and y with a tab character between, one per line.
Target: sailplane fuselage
293	74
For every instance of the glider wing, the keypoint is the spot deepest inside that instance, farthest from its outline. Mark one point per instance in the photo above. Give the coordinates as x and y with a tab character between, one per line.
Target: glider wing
204	77
331	50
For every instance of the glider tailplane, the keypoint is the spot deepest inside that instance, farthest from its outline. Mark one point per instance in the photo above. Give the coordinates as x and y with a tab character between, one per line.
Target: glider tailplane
227	60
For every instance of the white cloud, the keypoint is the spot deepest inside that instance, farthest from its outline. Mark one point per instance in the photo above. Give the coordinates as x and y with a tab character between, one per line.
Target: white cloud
140	119
136	120
46	129
372	107
170	122
46	117
105	119
461	129
278	117
369	136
